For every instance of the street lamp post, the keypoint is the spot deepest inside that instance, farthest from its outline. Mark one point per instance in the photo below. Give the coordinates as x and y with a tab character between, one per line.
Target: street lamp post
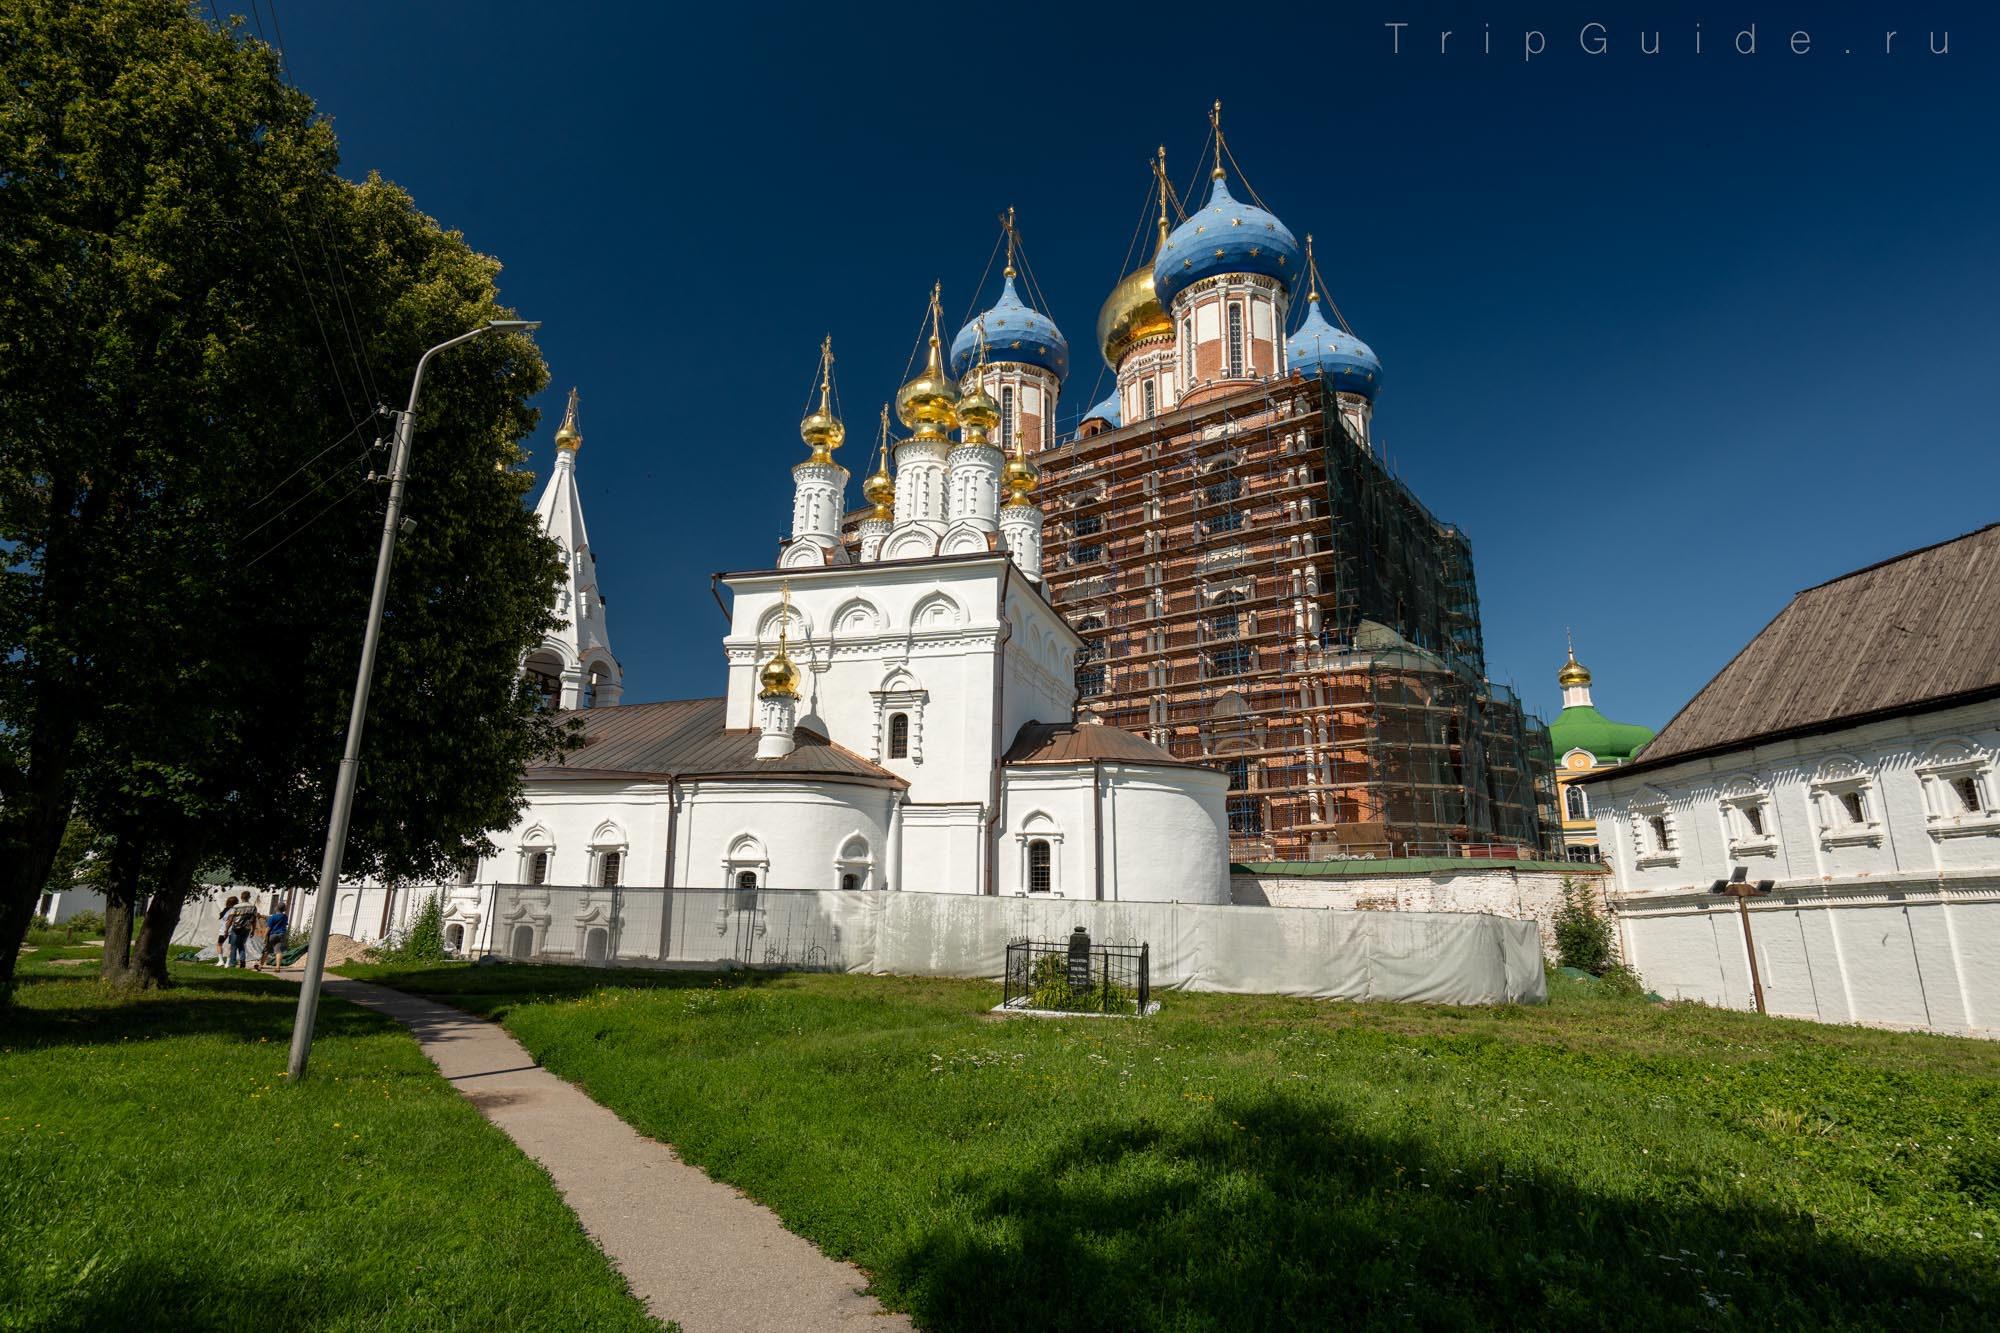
343	786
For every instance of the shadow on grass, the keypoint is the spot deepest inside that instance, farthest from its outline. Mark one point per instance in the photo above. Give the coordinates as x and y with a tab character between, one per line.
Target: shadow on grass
247	1007
491	989
1275	1216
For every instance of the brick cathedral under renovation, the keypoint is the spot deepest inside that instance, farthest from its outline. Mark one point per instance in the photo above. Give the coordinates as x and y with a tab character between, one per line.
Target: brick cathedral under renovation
1256	590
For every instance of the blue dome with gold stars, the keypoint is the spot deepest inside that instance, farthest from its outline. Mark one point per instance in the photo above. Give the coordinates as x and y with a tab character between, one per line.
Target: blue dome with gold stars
1327	351
1015	331
1107	411
1224	236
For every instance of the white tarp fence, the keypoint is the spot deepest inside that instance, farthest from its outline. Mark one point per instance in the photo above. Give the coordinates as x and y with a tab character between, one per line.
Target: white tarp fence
1439	957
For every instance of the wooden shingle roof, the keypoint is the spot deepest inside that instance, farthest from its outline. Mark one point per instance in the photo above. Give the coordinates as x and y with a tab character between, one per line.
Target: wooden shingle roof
1913	633
685	738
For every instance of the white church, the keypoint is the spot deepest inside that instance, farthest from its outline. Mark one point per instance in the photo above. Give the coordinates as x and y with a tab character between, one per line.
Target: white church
897	717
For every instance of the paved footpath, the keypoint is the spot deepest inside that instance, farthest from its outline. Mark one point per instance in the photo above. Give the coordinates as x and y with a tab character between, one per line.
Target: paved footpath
693	1250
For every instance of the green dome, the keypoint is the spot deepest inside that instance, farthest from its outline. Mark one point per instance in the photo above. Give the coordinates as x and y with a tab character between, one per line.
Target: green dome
1581	727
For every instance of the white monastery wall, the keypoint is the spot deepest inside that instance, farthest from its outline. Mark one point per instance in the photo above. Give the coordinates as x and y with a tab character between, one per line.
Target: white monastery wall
1886	953
1901	770
1891	918
1491	887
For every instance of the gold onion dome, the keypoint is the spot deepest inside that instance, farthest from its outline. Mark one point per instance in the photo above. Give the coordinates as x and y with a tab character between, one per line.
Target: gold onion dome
1020	478
567	435
1133	313
928	404
880	488
821	429
1573	673
977	413
780	678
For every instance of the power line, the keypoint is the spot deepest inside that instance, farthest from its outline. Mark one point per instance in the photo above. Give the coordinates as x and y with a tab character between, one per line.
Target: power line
349	434
317	488
311	521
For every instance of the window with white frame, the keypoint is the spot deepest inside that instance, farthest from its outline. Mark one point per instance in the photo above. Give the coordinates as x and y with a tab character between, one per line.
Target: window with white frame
854	864
1038	865
1845	804
538	854
1654	832
1041	868
607	855
1235	340
1576	805
1746	819
1958	785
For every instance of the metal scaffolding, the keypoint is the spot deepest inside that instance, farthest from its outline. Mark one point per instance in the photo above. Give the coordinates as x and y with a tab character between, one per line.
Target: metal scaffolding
1256	590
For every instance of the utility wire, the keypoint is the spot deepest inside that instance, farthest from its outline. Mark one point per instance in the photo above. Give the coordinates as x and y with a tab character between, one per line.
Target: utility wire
308	463
308	523
317	488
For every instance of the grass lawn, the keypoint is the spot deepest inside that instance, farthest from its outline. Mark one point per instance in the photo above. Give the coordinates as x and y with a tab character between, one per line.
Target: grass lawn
1246	1163
158	1172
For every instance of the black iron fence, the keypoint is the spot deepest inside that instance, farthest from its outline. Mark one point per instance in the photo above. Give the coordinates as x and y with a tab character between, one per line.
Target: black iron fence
1078	975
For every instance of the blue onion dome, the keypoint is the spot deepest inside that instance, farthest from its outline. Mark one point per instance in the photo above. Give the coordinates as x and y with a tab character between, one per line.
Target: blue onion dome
1224	236
1107	411
1015	331
1329	352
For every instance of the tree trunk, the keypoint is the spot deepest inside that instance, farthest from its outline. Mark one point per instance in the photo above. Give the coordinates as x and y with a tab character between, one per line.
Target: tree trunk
163	915
31	833
121	897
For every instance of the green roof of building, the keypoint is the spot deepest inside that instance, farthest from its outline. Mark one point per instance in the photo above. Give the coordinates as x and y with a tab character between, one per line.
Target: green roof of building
1581	727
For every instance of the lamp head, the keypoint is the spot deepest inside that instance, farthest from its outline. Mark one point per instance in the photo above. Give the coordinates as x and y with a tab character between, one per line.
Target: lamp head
513	325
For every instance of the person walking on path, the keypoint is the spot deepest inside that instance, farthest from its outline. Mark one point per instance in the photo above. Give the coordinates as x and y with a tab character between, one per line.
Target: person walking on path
242	920
222	933
276	926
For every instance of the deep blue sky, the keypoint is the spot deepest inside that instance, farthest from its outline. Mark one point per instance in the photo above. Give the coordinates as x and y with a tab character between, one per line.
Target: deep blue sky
1671	337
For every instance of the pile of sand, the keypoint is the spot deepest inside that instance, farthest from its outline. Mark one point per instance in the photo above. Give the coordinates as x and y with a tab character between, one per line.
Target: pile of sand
345	949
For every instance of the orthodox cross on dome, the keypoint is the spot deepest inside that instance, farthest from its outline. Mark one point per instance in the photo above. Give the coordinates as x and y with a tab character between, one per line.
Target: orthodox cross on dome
1215	124
822	429
1007	225
568	437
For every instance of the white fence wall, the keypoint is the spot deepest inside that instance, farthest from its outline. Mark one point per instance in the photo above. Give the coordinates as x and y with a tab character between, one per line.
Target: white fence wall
1921	954
1453	958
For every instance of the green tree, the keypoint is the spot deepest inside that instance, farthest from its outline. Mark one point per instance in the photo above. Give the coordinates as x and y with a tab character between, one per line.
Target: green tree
1583	937
197	315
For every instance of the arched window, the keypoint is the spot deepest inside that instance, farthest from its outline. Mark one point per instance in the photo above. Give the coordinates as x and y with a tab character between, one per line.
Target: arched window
1187	352
1576	806
524	941
454	938
849	883
746	890
538	868
1152	405
610	868
899	735
1038	866
1235	340
1007	417
746	879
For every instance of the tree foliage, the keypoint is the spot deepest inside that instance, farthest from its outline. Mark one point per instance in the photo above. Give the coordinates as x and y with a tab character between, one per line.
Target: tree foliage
198	317
1583	937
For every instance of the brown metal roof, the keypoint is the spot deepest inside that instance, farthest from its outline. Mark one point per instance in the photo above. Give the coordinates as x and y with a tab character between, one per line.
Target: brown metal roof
1080	743
685	738
1916	632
